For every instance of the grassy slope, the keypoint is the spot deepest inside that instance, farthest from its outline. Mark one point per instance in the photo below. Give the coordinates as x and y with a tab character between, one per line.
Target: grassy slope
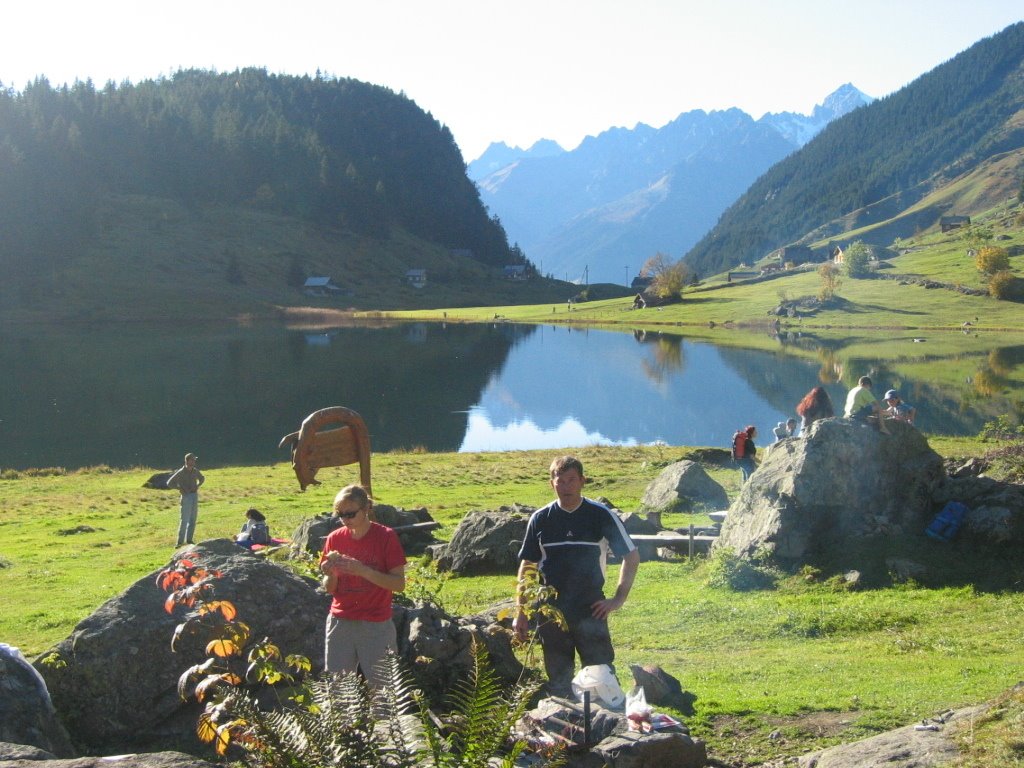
864	304
757	661
152	259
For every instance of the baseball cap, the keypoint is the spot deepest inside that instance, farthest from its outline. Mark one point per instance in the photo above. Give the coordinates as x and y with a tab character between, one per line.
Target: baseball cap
891	393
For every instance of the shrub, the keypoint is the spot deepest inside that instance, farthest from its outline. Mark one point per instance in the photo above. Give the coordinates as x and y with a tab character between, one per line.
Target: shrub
830	282
1003	285
991	259
727	570
857	259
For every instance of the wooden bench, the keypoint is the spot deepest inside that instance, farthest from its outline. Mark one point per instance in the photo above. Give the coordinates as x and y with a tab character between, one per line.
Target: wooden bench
676	541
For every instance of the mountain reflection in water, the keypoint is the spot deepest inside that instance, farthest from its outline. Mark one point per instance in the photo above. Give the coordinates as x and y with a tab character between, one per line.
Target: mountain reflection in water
143	395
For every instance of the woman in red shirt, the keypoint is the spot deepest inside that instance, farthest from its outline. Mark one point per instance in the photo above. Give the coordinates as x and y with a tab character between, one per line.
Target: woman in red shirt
363	566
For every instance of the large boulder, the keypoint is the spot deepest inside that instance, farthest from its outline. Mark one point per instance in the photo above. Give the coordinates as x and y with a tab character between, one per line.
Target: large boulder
486	542
27	716
682	487
114	680
818	495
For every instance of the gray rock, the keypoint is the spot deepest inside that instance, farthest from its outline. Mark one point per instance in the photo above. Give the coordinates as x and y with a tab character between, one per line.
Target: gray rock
143	760
664	750
438	648
684	486
309	536
27	715
660	688
842	482
993	524
158	481
9	751
486	542
115	689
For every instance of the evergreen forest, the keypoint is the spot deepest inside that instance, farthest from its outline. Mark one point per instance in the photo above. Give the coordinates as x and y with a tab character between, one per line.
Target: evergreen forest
342	155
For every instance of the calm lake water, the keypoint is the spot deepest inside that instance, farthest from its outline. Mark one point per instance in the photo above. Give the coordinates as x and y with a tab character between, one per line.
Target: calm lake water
143	395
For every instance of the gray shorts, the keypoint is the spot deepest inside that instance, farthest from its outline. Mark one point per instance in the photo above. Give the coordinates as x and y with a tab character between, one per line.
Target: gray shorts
352	645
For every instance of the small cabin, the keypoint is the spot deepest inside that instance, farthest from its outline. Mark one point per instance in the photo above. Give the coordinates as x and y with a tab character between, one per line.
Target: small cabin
949	223
417	278
321	287
514	272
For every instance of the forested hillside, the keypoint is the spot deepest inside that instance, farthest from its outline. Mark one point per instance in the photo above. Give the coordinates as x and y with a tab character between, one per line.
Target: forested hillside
340	155
945	123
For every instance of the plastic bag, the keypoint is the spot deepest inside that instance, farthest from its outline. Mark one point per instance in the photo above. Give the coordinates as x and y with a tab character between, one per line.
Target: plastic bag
599	680
638	711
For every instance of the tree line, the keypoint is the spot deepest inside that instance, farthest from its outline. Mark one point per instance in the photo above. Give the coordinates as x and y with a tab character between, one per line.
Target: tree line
337	152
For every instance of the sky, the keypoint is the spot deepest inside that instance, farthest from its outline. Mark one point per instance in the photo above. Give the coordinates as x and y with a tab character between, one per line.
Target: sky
493	70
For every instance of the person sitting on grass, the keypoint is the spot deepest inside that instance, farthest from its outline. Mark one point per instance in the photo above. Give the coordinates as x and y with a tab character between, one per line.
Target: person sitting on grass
254	530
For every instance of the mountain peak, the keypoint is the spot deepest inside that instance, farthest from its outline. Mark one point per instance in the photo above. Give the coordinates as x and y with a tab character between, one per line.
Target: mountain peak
500	155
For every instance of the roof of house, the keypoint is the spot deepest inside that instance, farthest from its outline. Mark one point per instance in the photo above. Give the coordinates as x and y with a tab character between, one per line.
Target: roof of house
317	282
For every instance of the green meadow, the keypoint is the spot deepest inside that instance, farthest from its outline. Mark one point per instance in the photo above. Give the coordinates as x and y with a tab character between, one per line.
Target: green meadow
774	672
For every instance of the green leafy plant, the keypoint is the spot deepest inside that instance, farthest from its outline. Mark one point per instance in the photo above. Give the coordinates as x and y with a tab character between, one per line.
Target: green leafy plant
332	719
423	584
536	600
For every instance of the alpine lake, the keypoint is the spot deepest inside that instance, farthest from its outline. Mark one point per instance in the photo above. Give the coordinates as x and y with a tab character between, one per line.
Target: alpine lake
142	395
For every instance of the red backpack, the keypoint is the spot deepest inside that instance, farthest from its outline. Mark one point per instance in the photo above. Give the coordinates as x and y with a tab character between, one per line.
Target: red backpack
739	444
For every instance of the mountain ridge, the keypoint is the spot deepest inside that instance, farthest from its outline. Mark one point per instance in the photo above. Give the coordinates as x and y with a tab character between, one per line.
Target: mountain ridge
555	206
903	147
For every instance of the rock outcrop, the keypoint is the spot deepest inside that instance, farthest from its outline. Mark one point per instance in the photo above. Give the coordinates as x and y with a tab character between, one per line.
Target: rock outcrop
113	681
486	542
683	487
841	482
27	716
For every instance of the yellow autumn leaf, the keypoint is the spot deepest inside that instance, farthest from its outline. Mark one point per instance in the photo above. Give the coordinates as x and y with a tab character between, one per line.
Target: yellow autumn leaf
222	647
205	729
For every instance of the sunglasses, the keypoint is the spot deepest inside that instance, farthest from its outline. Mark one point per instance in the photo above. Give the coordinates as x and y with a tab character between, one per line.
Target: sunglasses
348	515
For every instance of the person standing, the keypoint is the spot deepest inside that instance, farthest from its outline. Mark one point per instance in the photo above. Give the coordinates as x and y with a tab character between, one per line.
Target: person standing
567	541
187	481
363	565
746	461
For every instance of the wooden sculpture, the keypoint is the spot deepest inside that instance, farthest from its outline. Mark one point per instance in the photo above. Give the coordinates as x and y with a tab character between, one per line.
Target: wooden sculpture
330	437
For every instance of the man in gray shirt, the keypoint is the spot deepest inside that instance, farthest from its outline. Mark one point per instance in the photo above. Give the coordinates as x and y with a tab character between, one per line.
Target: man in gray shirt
187	480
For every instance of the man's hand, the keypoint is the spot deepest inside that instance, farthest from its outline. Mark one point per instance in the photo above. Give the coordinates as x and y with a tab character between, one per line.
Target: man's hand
603	608
521	627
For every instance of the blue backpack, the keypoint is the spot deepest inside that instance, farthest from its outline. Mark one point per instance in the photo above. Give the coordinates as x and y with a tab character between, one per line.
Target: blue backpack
259	533
947	523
